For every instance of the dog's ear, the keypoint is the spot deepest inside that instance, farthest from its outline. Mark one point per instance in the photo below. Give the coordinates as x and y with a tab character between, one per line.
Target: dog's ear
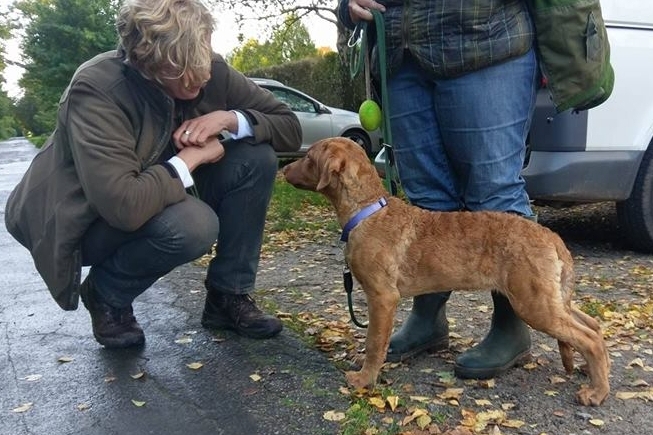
332	165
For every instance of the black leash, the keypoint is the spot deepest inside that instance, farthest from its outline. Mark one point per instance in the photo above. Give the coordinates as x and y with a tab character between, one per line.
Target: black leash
349	287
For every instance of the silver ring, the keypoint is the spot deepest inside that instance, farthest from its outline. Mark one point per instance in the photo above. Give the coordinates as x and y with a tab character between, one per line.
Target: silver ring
187	132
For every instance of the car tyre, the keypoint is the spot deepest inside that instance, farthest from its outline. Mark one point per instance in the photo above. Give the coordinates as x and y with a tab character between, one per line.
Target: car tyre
635	214
361	138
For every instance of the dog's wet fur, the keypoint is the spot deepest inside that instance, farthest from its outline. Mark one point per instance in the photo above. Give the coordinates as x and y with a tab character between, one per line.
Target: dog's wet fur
404	251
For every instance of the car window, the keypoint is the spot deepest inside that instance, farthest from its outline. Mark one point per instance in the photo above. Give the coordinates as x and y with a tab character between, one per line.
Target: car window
297	103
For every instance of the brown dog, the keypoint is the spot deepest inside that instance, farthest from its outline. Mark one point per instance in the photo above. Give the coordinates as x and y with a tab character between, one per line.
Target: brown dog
398	250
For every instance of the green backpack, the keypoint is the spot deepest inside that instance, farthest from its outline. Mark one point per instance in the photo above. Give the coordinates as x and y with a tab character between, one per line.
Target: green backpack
574	52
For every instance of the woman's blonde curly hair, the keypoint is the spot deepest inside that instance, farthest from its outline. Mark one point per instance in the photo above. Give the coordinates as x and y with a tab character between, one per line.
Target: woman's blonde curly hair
167	39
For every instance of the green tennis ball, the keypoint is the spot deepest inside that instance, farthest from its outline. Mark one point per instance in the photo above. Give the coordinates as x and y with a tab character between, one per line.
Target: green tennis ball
369	114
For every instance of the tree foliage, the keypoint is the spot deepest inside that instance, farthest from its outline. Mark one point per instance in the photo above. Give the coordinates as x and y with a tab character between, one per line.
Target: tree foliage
287	43
59	35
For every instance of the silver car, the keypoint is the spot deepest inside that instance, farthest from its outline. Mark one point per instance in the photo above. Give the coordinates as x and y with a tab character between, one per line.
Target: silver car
319	121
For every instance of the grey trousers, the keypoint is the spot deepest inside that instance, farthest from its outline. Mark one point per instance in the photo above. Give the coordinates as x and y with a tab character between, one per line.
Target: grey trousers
234	194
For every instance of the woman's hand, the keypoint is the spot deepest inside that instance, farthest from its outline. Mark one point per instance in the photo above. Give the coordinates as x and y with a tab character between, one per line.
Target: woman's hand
360	9
198	131
207	152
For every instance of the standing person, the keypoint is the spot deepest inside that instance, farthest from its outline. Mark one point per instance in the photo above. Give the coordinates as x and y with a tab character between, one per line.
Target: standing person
136	128
462	83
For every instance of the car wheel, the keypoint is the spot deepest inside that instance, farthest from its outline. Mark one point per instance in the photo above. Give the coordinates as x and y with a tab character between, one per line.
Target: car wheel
361	138
635	215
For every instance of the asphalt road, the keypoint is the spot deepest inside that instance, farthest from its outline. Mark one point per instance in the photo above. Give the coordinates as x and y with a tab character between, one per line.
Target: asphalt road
55	379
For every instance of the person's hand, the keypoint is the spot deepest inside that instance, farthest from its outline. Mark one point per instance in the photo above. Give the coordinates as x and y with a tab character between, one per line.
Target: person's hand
198	131
360	9
207	152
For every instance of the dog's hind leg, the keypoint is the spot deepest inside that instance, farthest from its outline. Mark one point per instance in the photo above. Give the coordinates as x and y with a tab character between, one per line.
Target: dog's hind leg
572	329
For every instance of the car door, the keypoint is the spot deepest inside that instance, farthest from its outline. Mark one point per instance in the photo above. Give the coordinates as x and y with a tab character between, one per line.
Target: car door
315	119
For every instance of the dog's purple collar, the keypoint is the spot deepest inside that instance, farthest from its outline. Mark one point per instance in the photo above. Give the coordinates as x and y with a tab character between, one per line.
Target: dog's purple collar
367	211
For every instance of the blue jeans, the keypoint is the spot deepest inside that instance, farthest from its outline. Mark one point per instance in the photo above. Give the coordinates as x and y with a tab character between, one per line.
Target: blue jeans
460	143
234	196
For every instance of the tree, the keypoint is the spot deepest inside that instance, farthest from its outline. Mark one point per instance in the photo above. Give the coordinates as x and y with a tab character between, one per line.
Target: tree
287	43
58	37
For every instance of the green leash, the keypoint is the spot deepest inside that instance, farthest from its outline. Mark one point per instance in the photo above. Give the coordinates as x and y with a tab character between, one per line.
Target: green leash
360	61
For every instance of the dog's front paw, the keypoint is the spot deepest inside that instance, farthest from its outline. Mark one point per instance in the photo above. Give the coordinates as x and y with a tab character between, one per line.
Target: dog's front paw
359	379
589	396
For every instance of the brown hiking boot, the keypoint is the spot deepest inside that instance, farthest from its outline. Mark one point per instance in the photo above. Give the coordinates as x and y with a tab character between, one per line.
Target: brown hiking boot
112	327
238	313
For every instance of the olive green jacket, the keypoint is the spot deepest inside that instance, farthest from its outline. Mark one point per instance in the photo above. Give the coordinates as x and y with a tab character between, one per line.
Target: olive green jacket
574	52
104	159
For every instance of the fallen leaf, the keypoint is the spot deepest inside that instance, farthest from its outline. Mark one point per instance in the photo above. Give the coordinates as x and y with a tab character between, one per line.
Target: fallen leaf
138	403
138	375
514	424
65	359
333	416
32	378
451	393
23	408
393	401
184	340
597	422
483	402
83	406
195	365
423	421
254	377
377	402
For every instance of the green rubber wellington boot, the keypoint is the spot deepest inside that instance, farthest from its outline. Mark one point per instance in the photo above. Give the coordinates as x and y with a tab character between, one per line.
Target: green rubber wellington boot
506	345
426	328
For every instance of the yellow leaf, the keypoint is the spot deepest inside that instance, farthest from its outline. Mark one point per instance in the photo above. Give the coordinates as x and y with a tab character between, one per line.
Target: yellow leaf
551	393
483	402
137	375
195	365
423	421
23	408
636	362
393	401
333	416
138	403
377	402
530	366
596	422
419	398
515	424
254	377
557	380
451	393
184	340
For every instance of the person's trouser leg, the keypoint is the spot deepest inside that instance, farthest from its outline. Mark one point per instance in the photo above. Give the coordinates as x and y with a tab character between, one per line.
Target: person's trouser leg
483	174
239	189
484	119
124	264
428	181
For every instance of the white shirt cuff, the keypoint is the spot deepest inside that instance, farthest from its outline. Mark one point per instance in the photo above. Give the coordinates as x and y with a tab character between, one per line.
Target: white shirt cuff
244	129
182	170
